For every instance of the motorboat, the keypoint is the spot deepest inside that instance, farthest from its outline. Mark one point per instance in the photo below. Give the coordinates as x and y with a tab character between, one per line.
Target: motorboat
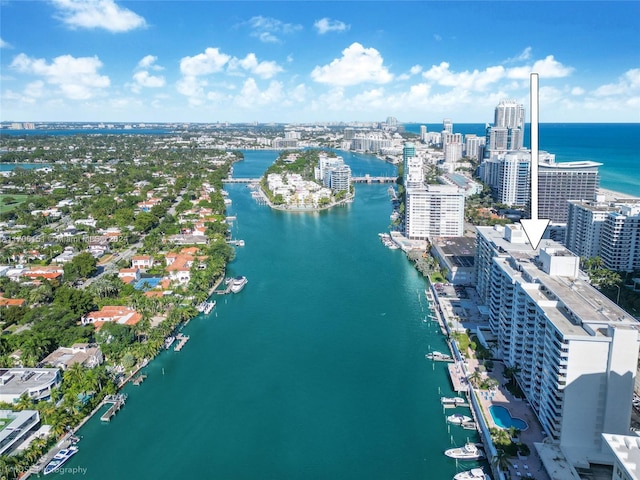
438	356
209	306
458	419
452	400
473	474
59	459
238	283
469	451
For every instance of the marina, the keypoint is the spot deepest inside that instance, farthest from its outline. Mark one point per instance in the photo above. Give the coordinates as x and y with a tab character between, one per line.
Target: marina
139	379
205	307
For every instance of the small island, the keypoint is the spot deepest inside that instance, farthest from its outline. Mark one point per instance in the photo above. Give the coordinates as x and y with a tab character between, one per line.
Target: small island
307	180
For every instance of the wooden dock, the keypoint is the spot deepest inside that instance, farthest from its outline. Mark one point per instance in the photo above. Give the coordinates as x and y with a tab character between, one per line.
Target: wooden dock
182	339
139	379
116	401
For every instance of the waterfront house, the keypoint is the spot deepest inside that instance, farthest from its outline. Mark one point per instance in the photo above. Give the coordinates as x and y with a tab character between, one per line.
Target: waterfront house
37	383
112	313
87	354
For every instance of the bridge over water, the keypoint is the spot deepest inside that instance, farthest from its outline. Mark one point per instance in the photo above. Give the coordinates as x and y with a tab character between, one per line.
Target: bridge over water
365	179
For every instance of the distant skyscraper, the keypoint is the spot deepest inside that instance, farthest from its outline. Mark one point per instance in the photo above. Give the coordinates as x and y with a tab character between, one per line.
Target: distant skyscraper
423	133
507	132
474	146
509	114
447	125
408	151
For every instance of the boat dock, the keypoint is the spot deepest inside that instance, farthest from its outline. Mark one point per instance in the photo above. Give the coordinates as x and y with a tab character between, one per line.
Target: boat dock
458	378
182	339
116	401
139	379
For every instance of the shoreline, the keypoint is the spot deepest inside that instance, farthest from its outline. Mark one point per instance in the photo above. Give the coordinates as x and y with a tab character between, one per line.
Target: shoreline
613	195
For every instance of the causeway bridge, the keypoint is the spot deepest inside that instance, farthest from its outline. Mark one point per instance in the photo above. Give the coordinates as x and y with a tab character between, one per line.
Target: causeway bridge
365	179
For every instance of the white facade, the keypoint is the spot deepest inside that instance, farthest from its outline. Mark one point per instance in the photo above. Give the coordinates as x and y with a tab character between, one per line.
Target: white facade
626	450
576	351
620	244
585	220
18	429
434	211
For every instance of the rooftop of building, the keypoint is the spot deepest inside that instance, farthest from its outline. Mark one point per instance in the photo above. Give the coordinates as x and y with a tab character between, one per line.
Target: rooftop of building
15	381
626	449
461	249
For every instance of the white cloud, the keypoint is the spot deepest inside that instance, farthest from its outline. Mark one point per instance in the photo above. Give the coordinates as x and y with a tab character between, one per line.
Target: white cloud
357	65
437	38
547	68
250	95
34	89
149	62
269	29
264	69
577	91
98	14
4	44
627	84
522	56
193	88
144	79
211	61
77	78
325	25
476	80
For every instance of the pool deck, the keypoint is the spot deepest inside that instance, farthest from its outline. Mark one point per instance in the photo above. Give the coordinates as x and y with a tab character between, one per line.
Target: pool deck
531	466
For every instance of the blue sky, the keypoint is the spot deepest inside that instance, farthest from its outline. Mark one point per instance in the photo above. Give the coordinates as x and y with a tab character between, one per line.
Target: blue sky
316	61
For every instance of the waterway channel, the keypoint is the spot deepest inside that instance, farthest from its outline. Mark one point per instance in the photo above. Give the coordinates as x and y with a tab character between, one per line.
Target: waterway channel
316	370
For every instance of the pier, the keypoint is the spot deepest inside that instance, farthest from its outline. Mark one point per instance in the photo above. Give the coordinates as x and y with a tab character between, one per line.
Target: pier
182	340
139	379
117	401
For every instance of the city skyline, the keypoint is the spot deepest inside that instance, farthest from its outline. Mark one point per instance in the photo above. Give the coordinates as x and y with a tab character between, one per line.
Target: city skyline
325	61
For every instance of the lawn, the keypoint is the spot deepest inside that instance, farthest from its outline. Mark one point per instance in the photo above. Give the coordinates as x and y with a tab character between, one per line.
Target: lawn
14	201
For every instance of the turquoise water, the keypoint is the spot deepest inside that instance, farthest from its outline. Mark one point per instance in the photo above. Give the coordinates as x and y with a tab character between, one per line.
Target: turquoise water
502	418
316	370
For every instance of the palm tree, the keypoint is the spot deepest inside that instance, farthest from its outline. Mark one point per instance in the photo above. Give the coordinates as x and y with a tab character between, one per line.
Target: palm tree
501	460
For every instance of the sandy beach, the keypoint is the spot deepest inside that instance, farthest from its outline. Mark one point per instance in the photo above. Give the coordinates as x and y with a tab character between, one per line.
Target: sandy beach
611	195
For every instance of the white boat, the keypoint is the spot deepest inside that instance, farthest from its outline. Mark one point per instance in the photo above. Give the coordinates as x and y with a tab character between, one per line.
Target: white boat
473	474
452	400
458	419
438	356
209	306
238	283
467	452
168	342
59	458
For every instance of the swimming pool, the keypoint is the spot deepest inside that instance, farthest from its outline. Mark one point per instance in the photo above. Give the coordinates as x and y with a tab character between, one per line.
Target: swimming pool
503	419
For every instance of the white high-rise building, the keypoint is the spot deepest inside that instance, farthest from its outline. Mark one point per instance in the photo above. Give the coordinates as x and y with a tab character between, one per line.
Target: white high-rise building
434	211
509	114
474	146
576	352
585	219
447	125
620	244
414	173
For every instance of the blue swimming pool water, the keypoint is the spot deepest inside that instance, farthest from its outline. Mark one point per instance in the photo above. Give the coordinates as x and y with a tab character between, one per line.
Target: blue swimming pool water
502	418
147	283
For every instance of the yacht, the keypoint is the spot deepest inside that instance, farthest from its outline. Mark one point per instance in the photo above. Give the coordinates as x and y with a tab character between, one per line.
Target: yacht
452	400
458	419
238	283
467	452
473	474
209	306
59	458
